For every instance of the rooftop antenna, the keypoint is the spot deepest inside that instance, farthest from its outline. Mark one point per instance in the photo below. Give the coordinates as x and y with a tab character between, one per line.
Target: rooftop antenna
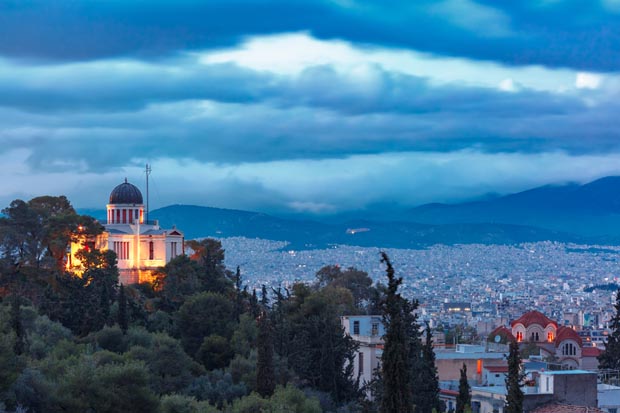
148	172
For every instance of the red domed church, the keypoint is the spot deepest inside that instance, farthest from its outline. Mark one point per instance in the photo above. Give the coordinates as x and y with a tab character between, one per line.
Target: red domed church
559	342
141	246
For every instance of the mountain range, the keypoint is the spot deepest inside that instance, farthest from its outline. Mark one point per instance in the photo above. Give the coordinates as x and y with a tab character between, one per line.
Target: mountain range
572	212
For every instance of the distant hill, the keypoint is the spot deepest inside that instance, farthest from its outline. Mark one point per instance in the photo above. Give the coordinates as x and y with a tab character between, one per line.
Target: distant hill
591	210
587	213
198	222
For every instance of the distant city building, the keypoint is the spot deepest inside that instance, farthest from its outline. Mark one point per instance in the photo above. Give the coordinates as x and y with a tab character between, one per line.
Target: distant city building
141	246
457	307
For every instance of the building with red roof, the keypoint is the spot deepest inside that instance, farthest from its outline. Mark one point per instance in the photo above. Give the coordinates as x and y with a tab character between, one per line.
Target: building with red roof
562	343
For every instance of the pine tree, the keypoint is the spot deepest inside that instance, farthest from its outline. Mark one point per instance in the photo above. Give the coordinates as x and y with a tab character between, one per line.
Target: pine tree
514	381
610	358
123	322
463	400
265	375
396	369
17	326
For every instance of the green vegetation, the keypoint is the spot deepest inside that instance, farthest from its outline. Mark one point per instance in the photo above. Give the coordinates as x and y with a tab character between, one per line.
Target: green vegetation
408	380
196	340
610	358
514	381
463	399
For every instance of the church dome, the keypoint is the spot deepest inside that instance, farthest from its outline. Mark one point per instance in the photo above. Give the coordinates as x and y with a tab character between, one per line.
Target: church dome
126	193
567	333
534	317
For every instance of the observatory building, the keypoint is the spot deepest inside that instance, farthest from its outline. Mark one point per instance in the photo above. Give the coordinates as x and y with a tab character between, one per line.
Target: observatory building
141	246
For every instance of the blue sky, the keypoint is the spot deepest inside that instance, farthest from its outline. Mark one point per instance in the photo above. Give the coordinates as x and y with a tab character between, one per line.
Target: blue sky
307	106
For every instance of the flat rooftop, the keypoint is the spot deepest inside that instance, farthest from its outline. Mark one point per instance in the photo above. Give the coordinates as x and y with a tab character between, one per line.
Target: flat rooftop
454	355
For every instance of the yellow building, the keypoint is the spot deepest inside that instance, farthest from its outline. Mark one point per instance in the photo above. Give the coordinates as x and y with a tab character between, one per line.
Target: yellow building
140	246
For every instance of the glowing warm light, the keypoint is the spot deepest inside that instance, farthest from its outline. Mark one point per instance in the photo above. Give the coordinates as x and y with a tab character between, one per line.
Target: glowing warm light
549	336
479	367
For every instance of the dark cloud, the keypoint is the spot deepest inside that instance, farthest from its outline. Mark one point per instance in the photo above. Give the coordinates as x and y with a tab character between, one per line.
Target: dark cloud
577	34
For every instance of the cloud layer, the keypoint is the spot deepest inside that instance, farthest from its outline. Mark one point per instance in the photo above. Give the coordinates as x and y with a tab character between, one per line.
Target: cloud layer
316	106
581	35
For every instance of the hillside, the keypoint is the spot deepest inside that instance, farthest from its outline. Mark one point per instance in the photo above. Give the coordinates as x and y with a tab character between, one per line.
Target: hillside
198	222
590	210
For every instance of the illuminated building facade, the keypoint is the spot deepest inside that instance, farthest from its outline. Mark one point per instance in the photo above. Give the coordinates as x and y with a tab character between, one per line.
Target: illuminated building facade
141	246
560	342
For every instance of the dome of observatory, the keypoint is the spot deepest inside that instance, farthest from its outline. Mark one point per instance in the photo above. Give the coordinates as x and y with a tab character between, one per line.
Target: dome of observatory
126	193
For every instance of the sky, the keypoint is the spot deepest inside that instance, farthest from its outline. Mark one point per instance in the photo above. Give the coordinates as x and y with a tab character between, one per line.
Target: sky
306	106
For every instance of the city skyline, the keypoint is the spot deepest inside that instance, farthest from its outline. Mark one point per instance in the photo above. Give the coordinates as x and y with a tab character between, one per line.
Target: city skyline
316	107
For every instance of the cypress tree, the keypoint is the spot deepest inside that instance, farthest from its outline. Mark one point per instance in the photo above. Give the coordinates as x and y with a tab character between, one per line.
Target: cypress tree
416	363
396	369
264	298
254	307
238	294
426	396
514	381
17	326
463	400
265	375
610	358
123	322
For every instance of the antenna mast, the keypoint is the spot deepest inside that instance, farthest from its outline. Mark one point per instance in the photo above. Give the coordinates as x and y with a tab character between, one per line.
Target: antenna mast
148	172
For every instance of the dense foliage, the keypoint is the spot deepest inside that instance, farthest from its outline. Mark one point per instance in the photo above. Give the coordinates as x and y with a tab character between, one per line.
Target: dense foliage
196	340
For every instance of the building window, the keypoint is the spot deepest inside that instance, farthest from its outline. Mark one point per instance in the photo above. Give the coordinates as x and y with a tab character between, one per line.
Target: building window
151	250
374	329
550	336
141	217
124	216
361	363
569	349
118	216
519	336
356	328
121	249
173	250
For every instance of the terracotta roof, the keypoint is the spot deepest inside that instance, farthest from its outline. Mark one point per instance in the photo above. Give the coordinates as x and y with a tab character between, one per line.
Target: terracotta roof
566	333
591	352
502	332
449	392
534	317
566	408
